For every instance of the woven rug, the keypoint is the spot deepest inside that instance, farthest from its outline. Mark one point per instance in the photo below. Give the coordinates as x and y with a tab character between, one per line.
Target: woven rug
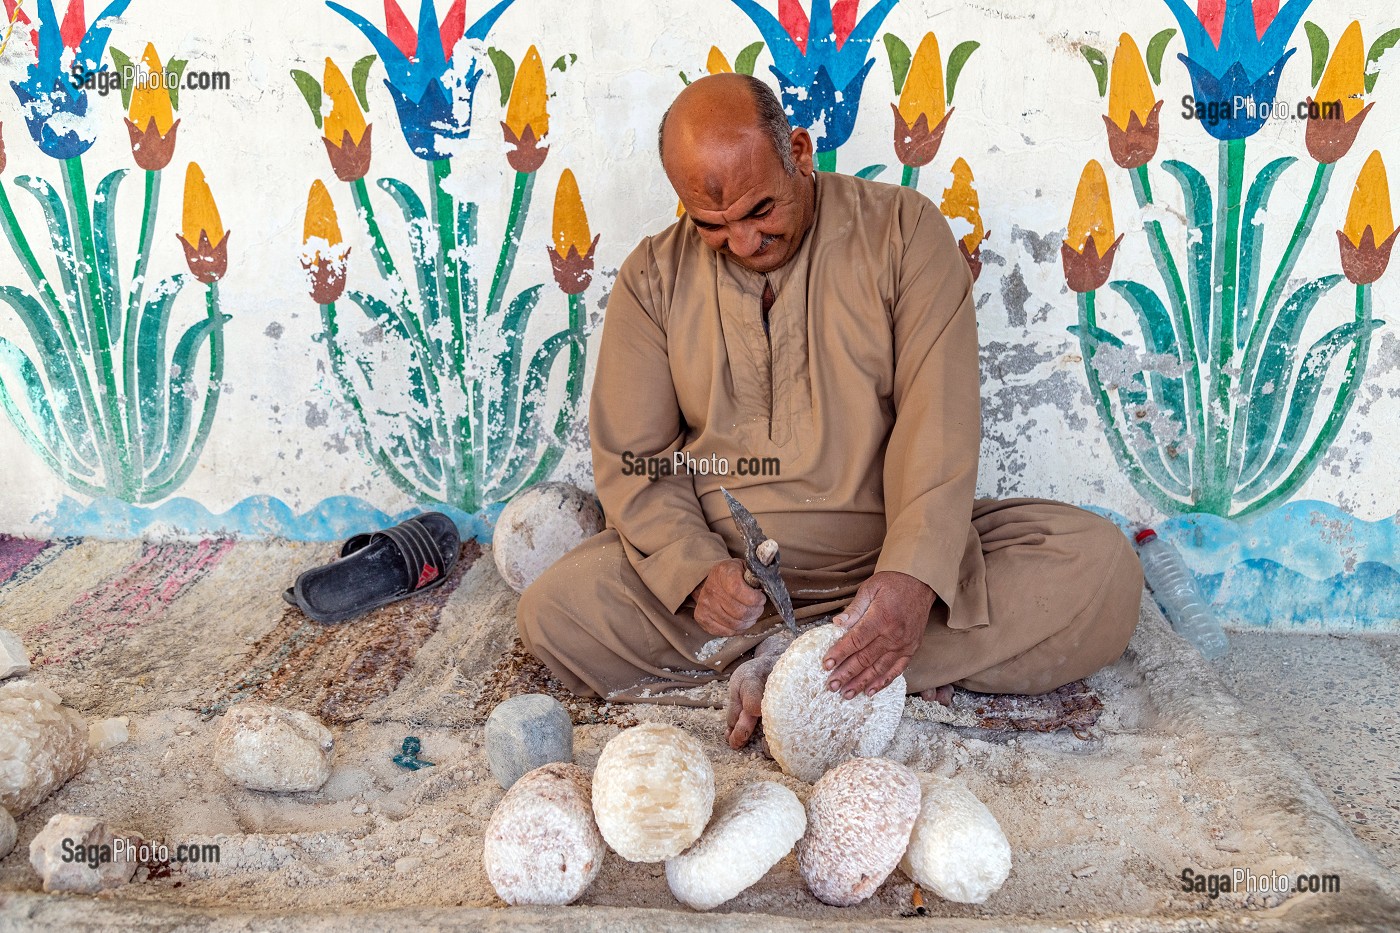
336	672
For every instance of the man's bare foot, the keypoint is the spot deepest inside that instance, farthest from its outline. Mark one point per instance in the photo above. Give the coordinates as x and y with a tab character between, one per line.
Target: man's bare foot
942	695
746	689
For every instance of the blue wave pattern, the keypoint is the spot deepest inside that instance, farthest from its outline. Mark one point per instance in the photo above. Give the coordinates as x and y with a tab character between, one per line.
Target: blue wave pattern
1306	564
332	519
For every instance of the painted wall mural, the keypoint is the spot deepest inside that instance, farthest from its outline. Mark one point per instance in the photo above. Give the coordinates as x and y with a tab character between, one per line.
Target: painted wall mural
468	425
110	403
1182	305
1220	412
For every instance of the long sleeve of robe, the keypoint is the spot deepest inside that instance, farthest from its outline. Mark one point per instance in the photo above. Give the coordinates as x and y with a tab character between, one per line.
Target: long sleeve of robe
850	430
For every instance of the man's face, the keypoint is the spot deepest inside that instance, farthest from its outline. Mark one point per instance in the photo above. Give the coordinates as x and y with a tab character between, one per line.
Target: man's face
741	200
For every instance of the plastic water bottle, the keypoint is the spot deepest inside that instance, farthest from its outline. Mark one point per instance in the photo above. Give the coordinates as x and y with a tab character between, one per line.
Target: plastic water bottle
1176	589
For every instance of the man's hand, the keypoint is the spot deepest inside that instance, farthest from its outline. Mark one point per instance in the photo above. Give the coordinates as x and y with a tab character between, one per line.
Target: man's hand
885	624
724	603
746	688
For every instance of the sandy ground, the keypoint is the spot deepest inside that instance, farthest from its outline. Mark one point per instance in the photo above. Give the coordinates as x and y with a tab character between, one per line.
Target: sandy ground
1175	775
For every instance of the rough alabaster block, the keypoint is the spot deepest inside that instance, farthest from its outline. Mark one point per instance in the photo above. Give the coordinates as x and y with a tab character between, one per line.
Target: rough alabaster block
264	747
542	846
13	658
653	790
811	729
109	733
9	832
525	732
88	844
751	832
538	527
859	817
42	744
957	848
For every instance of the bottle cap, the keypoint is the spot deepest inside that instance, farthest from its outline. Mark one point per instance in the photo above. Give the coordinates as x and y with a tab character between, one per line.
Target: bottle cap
1147	534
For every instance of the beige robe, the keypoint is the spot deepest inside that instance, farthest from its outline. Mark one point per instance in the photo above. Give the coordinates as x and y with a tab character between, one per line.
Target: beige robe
864	393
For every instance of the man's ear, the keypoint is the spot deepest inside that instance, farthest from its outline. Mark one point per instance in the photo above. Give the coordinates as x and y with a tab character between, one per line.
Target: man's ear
803	150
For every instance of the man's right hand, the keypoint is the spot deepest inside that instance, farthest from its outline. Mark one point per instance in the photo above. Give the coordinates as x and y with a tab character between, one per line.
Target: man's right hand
724	604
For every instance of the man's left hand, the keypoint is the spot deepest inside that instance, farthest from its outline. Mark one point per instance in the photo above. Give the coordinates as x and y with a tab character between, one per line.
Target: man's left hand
885	625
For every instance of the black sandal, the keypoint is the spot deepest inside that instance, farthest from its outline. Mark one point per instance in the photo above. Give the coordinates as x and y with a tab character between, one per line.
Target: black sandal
379	568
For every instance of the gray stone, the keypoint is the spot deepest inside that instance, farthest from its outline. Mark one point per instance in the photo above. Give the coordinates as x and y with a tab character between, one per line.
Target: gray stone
9	833
525	732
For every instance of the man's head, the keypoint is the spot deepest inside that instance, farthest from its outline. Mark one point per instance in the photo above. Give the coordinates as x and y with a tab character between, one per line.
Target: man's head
743	174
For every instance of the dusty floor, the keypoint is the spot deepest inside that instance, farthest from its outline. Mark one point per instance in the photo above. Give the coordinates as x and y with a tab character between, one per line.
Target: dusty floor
1176	774
1334	701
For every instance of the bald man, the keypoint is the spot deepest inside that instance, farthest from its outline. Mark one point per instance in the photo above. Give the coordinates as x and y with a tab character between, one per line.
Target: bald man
810	343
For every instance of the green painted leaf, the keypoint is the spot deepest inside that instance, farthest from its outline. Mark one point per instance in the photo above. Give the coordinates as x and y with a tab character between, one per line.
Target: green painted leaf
393	323
956	60
505	71
176	69
359	79
1379	48
1200	224
503	410
531	434
748	58
1159	337
181	398
1251	236
684	79
122	61
56	218
1274	372
422	247
50	446
151	334
1156	46
310	91
104	235
1317	42
1099	62
1149	454
564	61
1306	390
62	373
899	60
871	171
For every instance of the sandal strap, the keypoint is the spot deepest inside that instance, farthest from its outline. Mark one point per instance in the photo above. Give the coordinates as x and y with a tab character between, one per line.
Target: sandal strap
418	549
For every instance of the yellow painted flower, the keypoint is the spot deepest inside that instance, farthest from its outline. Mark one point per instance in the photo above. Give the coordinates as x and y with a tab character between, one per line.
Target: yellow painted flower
1129	89
150	98
528	98
201	216
345	116
1370	203
1092	214
527	117
923	87
1089	245
1345	77
1329	135
570	219
572	253
150	120
717	63
204	239
321	222
960	201
324	256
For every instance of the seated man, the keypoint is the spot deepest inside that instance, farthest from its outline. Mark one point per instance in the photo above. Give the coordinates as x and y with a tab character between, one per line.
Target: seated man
816	334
